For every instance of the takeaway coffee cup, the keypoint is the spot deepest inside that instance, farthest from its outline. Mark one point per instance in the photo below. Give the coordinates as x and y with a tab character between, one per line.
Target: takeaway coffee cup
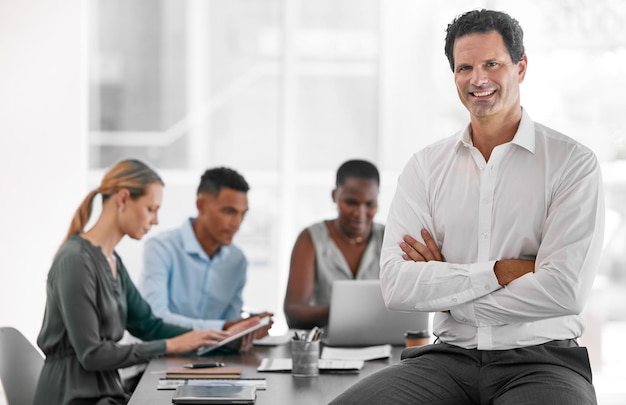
416	338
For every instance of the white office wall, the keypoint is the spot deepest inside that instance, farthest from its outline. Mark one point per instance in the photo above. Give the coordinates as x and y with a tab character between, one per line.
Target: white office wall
42	156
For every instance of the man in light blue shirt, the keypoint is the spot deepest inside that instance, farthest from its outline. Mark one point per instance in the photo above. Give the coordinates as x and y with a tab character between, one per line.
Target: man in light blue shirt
193	276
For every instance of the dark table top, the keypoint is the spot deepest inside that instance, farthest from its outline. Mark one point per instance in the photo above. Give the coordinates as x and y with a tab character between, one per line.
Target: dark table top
282	388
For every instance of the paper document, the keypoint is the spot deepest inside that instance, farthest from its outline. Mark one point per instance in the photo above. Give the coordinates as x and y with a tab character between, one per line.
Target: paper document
359	353
284	364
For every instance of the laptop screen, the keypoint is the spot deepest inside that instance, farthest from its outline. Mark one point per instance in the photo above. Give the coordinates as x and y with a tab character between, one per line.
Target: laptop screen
358	316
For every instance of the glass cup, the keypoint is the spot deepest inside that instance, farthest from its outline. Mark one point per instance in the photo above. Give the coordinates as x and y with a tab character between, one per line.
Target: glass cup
416	338
304	358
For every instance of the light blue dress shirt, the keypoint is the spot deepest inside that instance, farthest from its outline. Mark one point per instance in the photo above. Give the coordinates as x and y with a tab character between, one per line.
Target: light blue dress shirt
186	287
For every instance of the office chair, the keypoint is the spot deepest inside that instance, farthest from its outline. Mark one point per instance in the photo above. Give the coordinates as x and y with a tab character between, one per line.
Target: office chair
20	365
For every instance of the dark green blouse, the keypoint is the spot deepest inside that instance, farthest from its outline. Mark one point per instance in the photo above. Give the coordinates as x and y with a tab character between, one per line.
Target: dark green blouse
87	312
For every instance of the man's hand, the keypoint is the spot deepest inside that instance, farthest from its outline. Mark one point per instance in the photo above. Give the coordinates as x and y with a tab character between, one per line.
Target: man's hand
264	331
230	324
417	251
260	333
509	270
245	343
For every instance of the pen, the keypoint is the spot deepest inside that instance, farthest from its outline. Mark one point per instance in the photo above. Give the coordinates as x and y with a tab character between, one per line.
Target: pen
204	365
318	333
313	334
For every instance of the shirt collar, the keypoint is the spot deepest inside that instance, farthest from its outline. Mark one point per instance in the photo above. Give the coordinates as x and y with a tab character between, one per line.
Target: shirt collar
524	137
192	245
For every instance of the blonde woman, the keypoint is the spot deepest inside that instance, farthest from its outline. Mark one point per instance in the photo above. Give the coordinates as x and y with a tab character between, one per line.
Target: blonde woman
91	299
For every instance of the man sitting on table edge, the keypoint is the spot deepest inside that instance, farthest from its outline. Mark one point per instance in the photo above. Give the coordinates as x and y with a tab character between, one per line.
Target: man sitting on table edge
499	230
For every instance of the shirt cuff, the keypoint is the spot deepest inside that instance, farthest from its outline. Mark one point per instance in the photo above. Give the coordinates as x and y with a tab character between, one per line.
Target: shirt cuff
484	282
483	278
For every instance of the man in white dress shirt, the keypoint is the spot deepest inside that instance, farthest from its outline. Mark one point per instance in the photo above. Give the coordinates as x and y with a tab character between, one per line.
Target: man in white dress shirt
498	230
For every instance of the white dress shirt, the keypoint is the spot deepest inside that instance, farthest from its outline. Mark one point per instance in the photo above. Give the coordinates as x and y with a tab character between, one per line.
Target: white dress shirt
538	197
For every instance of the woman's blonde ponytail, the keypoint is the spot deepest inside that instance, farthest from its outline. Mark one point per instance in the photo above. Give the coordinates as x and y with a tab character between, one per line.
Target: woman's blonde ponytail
130	174
82	215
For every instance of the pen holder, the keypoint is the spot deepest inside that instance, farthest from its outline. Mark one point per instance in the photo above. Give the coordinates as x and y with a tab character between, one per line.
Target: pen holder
304	358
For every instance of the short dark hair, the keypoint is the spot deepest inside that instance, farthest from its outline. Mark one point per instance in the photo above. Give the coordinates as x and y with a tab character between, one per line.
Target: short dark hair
213	180
482	22
360	169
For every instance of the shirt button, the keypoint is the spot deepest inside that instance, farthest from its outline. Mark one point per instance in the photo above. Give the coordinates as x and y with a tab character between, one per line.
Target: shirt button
487	287
454	300
483	235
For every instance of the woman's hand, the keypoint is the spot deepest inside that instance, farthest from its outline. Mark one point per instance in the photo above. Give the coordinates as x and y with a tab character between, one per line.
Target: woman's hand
190	341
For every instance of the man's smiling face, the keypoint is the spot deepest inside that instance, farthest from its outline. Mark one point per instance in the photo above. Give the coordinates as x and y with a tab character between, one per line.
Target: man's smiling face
486	78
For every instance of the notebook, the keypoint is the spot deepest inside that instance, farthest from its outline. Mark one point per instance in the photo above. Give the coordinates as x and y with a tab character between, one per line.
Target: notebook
220	394
358	317
215	372
206	349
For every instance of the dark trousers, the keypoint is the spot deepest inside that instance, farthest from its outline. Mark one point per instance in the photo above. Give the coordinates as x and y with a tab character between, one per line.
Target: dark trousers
553	373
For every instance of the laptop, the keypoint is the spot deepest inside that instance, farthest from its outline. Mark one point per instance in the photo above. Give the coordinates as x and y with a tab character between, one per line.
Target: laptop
358	317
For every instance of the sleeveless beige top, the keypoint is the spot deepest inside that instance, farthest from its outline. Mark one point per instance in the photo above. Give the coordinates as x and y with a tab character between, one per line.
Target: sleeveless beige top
331	265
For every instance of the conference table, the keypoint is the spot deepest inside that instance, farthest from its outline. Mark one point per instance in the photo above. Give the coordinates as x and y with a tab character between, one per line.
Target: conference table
281	387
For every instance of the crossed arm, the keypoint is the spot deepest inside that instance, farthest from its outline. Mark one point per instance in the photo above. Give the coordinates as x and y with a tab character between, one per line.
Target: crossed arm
505	270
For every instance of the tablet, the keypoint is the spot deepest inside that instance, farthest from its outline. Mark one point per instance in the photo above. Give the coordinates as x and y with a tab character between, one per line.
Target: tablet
218	394
206	349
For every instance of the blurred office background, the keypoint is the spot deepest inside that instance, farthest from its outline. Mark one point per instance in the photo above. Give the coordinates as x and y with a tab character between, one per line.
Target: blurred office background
283	91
